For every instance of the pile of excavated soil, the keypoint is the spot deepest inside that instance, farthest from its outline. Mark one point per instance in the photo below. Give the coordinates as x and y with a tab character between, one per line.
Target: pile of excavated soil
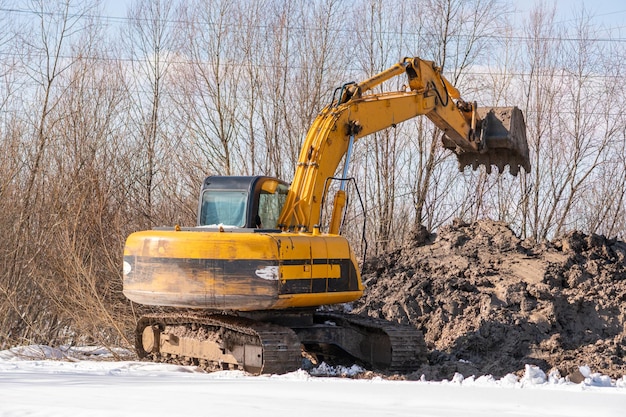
489	303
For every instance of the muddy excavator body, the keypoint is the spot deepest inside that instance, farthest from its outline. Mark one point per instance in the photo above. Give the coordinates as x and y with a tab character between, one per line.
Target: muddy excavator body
245	287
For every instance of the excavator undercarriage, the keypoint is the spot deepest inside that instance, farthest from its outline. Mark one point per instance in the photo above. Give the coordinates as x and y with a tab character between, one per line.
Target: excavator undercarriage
221	341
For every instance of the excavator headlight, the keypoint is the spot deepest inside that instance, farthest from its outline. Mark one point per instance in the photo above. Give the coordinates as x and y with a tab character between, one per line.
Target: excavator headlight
127	268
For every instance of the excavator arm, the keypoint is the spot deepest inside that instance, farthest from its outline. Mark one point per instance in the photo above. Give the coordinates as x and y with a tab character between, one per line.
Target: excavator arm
477	136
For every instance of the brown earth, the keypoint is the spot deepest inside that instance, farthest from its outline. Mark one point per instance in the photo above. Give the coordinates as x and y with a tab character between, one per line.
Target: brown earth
489	303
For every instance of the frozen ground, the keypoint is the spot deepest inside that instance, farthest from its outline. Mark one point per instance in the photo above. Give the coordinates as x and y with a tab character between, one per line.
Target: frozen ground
41	381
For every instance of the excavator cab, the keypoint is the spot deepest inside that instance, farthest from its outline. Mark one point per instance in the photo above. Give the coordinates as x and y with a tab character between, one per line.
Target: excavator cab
252	202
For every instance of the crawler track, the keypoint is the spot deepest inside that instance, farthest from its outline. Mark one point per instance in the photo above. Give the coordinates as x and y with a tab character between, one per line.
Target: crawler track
218	342
401	348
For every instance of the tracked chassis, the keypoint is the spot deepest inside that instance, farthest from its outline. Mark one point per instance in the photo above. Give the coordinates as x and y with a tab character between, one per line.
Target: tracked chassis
277	343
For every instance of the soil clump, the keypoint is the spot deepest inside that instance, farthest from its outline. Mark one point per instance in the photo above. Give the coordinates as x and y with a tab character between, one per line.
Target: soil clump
489	303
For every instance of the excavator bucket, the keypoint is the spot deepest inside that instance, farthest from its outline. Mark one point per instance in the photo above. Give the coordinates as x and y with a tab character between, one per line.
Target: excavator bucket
502	141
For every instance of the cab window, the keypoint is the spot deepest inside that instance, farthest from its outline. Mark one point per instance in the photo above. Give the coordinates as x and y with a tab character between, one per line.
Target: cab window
223	207
270	206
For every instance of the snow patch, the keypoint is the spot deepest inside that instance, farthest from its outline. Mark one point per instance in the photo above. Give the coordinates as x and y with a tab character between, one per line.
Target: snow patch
457	378
113	388
324	369
554	377
41	352
509	380
299	375
533	375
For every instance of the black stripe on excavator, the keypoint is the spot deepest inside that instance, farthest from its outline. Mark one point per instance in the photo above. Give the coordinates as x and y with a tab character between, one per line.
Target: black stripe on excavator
241	268
320	261
232	265
220	267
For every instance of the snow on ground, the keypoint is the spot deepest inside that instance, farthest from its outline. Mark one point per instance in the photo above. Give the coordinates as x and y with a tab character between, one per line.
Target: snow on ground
42	381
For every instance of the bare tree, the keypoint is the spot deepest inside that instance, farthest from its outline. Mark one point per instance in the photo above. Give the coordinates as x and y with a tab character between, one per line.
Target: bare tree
321	61
209	85
87	191
37	188
569	136
150	44
540	84
456	34
252	41
273	113
601	209
380	156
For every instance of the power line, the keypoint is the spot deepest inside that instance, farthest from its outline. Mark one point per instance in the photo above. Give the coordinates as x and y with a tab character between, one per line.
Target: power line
300	28
292	66
592	16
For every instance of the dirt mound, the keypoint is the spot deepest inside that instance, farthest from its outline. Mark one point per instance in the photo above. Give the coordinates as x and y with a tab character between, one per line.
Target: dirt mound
490	303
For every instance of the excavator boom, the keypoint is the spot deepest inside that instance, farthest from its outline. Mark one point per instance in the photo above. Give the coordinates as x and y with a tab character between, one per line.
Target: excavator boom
477	136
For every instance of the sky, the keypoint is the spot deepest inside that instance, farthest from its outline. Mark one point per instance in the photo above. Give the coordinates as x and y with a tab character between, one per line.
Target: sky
608	13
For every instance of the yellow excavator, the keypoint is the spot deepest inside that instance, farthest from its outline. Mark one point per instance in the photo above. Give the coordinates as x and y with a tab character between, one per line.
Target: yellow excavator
244	288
